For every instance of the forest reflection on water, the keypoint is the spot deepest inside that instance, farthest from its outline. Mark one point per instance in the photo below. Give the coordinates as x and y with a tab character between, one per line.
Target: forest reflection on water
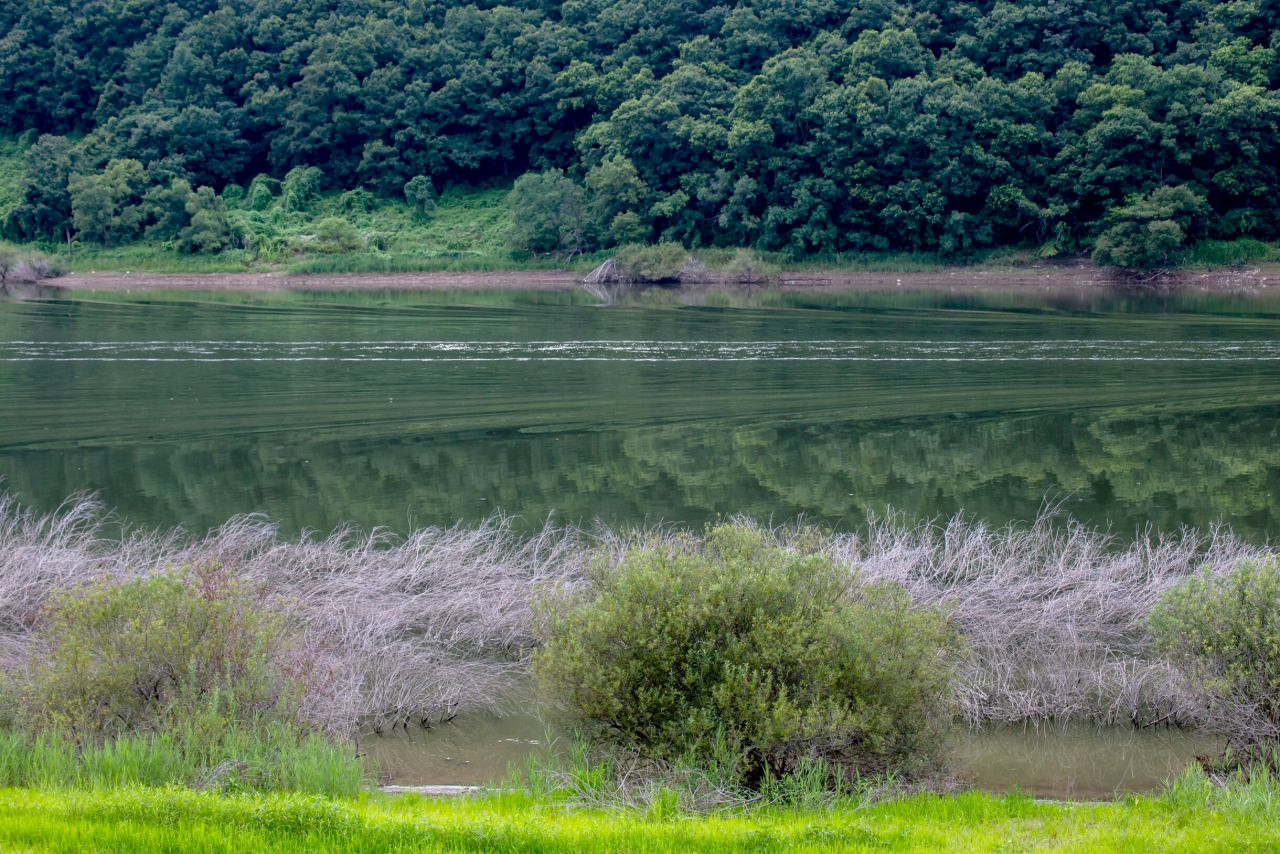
401	409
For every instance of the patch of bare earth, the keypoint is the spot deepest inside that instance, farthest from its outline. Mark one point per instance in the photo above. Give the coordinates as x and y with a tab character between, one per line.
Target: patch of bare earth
1050	277
542	280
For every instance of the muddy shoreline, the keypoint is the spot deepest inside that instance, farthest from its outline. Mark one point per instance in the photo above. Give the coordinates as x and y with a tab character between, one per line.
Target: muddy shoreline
1059	277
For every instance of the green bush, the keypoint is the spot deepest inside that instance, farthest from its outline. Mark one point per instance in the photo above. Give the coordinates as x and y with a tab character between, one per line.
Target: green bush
735	638
1223	632
191	650
1147	230
661	262
337	235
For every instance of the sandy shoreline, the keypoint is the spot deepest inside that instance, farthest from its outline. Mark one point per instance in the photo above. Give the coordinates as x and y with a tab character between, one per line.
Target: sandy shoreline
1049	278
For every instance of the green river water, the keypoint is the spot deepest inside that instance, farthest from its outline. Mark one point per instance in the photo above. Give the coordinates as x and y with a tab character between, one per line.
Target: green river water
404	409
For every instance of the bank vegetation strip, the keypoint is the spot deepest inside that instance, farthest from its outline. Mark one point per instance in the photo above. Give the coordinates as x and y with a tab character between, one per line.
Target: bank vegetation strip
417	627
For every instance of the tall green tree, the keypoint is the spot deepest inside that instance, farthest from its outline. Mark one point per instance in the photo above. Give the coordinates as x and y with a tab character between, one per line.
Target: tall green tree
548	213
108	206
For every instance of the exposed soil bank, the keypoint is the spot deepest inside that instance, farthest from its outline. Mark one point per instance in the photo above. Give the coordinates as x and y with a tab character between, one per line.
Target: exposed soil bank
1056	277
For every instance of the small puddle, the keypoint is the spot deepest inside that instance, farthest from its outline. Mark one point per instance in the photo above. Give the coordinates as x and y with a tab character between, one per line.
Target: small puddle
1074	761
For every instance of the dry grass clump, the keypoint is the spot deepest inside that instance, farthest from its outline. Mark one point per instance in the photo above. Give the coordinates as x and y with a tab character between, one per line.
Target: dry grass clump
1054	613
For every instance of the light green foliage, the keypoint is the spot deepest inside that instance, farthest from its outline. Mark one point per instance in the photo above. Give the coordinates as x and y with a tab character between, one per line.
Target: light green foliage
548	213
616	196
20	263
421	195
777	650
749	265
270	757
337	235
208	227
1229	253
1148	229
191	649
661	262
170	819
108	206
8	261
1224	633
261	193
300	188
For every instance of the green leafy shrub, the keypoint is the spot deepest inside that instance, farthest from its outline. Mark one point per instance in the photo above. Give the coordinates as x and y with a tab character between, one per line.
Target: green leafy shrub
420	193
1147	230
191	650
337	235
661	262
733	638
22	264
1223	632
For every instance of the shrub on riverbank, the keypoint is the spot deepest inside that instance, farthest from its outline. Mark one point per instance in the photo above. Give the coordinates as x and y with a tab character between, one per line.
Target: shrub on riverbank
26	264
1223	632
195	649
770	648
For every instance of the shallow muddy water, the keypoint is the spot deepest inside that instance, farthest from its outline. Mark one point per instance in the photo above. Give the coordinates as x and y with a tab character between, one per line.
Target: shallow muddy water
403	409
1077	761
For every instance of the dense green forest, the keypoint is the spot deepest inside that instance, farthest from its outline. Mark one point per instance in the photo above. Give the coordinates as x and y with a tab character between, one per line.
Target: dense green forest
801	126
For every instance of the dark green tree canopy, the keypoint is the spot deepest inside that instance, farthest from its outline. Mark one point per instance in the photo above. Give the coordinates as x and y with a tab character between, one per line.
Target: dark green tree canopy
798	125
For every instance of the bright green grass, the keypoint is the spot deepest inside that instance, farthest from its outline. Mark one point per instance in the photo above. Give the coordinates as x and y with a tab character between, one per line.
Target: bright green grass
267	758
1228	253
171	819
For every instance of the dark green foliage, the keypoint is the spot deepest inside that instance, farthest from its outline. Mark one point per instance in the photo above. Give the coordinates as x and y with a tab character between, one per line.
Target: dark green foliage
45	210
797	127
107	206
167	207
1149	229
733	639
1224	633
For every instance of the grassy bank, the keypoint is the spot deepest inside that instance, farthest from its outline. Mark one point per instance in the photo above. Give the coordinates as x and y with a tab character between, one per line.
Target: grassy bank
1191	817
268	758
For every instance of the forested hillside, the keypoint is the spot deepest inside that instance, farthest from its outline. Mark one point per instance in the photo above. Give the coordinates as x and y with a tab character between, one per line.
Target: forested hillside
796	125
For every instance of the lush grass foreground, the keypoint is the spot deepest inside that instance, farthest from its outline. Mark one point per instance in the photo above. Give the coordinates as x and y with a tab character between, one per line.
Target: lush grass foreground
173	819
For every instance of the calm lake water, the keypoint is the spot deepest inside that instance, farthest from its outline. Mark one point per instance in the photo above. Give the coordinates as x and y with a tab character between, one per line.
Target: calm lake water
410	408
